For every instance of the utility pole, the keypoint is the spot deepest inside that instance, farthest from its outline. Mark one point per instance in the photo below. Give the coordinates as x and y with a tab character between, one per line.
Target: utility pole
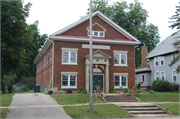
90	50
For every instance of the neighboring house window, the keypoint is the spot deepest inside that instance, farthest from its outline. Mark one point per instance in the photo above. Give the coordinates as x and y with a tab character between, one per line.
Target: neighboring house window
141	78
163	75
69	57
157	75
162	60
69	80
97	33
120	58
174	76
120	81
173	56
156	61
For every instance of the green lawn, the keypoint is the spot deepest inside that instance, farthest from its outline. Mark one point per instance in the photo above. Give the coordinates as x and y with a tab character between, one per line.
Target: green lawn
172	107
6	99
75	99
159	97
3	113
101	111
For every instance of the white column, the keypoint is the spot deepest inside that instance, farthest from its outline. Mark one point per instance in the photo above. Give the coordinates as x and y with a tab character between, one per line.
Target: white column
107	78
87	78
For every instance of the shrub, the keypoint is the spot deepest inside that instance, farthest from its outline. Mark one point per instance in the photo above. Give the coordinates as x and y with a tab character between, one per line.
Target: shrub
138	86
112	90
7	82
24	88
142	90
149	88
61	92
69	91
175	87
81	90
125	90
162	86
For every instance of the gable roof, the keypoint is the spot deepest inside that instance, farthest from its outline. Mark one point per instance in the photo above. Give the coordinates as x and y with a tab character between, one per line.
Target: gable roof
103	17
164	47
104	55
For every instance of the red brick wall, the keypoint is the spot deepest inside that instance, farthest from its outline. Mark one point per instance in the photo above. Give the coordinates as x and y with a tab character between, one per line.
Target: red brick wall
80	68
144	53
80	30
44	73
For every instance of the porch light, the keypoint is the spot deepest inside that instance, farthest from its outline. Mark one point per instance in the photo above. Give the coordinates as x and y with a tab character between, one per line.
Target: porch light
96	65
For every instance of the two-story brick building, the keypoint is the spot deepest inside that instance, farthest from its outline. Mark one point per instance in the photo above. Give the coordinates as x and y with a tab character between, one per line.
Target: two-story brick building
63	62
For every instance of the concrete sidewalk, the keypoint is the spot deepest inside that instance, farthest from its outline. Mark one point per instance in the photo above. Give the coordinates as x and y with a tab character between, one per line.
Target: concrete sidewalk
35	106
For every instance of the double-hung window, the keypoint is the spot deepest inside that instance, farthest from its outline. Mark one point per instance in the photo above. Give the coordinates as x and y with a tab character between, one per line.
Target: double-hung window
120	59
156	61
141	78
69	80
162	60
69	57
163	75
157	75
174	76
120	81
173	56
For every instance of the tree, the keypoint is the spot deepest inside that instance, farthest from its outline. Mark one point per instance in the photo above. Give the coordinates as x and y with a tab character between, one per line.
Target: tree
175	20
133	18
14	35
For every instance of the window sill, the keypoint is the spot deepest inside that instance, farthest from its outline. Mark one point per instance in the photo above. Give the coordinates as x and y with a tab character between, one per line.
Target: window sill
68	64
69	88
121	65
119	87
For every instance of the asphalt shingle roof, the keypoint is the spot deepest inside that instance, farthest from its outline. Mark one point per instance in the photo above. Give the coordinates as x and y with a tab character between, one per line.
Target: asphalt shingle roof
164	47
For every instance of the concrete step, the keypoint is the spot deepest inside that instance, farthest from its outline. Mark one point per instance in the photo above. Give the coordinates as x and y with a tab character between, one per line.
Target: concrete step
119	98
143	109
138	106
120	101
148	112
152	115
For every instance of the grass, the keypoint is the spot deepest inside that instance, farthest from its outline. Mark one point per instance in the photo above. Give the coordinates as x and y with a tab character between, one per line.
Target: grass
172	107
160	97
3	113
101	111
75	99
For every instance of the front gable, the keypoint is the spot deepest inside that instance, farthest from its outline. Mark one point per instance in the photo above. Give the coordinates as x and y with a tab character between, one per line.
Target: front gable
98	25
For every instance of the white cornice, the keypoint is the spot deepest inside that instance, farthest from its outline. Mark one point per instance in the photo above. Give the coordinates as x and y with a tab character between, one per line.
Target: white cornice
94	40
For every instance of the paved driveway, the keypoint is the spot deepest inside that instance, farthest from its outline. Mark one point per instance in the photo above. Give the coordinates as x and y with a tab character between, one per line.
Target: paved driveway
35	106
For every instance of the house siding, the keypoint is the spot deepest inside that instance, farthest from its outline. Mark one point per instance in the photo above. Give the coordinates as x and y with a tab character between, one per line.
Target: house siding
167	69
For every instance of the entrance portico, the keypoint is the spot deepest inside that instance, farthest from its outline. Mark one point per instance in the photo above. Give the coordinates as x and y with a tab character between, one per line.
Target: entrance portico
100	66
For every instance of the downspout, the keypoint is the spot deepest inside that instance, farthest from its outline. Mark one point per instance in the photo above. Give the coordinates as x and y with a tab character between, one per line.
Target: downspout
52	63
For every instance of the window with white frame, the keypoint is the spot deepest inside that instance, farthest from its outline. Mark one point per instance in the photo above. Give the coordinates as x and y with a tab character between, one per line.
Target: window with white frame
156	61
163	75
120	81
162	60
157	75
69	80
174	76
120	59
173	56
69	57
141	78
97	33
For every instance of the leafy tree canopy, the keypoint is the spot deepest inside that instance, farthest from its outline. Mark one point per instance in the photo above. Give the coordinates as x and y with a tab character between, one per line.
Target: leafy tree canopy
175	20
133	18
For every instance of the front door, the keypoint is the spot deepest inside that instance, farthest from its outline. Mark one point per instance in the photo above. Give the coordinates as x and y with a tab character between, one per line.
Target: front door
97	81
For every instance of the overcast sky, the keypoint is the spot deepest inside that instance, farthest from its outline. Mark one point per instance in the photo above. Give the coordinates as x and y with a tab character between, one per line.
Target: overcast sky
54	15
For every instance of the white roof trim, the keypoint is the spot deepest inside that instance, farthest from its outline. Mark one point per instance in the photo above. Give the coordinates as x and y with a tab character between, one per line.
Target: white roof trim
94	40
98	25
102	16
